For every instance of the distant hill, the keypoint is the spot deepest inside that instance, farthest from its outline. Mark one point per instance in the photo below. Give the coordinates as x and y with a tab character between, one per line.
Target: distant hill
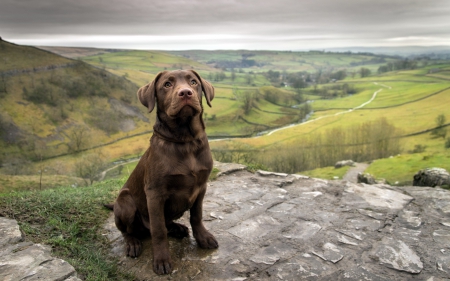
406	51
76	52
259	61
51	105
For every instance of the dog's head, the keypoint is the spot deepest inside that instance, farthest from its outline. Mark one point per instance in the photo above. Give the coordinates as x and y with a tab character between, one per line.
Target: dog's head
176	93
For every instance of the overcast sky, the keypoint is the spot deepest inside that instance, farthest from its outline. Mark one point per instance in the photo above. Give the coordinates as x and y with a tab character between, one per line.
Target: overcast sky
225	24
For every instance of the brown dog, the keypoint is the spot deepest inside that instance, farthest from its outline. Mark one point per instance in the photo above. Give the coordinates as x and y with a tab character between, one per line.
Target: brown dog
171	176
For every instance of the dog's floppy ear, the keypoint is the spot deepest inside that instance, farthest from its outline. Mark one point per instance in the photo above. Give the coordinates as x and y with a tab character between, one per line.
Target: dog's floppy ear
147	93
207	88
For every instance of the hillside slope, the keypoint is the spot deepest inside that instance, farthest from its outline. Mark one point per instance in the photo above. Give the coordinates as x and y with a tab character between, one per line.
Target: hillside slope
51	105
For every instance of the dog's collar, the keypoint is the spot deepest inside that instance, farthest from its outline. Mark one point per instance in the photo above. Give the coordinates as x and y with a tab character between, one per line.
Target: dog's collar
161	136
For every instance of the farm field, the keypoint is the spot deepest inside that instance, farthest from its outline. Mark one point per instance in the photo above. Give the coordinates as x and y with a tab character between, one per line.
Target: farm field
411	107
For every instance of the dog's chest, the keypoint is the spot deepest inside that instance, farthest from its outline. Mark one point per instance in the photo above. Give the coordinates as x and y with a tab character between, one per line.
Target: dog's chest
188	173
184	183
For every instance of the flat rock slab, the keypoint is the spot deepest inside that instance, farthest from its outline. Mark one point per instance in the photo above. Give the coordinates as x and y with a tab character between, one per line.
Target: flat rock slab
27	261
286	227
396	254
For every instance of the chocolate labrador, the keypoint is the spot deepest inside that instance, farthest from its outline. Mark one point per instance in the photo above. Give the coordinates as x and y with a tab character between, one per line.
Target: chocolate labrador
171	176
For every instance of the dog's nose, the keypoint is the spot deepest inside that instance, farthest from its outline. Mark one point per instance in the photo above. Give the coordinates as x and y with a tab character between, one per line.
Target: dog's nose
185	93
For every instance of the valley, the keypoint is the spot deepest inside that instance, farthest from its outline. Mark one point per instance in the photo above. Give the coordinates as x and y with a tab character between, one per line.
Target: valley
282	111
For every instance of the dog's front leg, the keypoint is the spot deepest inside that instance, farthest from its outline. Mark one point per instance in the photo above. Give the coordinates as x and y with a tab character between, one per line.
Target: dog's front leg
203	237
161	256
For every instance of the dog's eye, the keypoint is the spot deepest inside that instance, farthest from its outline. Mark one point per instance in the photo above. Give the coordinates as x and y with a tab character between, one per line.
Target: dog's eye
193	82
167	84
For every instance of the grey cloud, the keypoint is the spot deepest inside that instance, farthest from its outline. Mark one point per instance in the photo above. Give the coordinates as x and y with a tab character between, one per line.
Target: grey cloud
353	20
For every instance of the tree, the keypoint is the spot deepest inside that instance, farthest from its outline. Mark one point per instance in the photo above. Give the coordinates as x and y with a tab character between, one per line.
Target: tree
90	166
364	72
440	120
249	78
339	75
298	83
233	75
440	131
382	69
78	135
248	99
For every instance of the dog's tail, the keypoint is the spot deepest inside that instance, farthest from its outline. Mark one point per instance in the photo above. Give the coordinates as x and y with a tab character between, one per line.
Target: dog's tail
109	206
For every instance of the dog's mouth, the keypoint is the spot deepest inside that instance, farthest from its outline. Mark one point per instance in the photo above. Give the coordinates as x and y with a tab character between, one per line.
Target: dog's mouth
187	110
184	108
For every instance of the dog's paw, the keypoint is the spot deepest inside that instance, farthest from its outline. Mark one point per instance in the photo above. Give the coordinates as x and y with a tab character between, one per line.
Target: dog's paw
162	264
206	240
134	246
177	230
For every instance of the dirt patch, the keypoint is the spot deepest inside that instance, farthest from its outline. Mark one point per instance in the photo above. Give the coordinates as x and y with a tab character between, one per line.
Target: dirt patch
352	173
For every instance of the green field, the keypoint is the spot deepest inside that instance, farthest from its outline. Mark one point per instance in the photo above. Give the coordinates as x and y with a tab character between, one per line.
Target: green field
247	101
410	104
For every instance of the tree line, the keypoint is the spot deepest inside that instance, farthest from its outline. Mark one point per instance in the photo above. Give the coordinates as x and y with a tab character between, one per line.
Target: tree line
398	65
364	142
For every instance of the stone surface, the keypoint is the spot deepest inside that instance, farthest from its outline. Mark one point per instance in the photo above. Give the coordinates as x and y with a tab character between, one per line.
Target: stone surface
285	227
366	178
431	177
27	261
228	168
343	163
396	254
9	232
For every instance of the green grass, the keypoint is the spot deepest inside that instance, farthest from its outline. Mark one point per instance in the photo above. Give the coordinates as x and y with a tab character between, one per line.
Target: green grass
70	221
400	169
329	173
145	61
365	93
23	57
9	183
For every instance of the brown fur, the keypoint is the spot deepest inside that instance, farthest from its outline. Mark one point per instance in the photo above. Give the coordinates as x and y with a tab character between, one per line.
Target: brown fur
171	176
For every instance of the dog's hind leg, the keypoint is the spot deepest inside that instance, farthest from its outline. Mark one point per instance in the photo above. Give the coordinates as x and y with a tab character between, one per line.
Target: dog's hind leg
129	222
177	230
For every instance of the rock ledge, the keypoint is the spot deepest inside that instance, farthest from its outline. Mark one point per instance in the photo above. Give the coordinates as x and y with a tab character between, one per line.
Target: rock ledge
27	261
288	227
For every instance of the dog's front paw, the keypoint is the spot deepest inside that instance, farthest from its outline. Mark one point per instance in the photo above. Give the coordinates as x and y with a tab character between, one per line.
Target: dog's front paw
162	264
134	246
206	240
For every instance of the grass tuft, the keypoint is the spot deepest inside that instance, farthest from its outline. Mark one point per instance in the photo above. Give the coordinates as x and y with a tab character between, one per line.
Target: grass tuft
70	221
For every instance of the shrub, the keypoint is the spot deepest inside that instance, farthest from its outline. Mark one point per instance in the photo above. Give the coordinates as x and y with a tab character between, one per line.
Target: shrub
418	148
41	94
